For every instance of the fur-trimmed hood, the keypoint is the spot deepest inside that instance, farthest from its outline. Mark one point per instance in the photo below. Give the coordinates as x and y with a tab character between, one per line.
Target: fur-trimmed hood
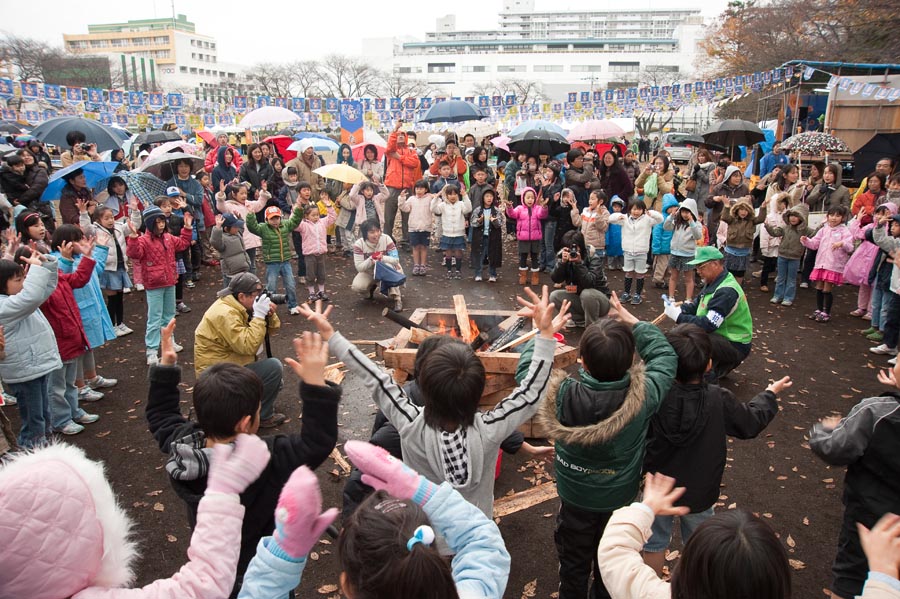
61	529
745	204
800	210
607	427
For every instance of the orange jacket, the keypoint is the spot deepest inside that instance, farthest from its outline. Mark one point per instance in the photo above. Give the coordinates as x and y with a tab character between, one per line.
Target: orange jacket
402	172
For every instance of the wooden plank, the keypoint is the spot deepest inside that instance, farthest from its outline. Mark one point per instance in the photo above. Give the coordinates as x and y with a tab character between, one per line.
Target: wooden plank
462	316
417	336
400	376
524	499
404	359
341	461
519	340
498	382
370	355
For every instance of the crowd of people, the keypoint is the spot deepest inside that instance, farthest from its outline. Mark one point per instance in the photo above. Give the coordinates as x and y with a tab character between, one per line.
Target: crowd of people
624	433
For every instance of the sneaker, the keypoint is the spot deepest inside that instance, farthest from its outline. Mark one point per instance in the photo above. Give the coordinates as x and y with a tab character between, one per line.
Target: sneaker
755	274
88	418
815	315
876	336
478	278
9	400
867	316
312	298
182	308
323	296
893	361
625	296
87	394
636	299
152	357
859	312
775	300
883	350
98	382
275	420
787	303
139	287
764	288
868	331
178	348
294	311
449	274
303	280
190	284
72	428
121	330
492	279
398	305
457	275
804	285
823	317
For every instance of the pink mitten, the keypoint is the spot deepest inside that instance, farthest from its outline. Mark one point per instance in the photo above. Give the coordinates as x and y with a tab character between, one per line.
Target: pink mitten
381	470
234	468
298	523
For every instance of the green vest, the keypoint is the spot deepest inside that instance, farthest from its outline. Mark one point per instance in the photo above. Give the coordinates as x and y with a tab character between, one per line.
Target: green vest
738	325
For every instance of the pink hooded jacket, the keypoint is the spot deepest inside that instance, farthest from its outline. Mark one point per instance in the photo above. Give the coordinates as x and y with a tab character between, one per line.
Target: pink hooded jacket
528	221
315	234
827	257
856	271
62	534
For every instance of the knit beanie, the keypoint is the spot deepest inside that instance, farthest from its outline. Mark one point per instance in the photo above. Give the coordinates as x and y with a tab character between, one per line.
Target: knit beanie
150	214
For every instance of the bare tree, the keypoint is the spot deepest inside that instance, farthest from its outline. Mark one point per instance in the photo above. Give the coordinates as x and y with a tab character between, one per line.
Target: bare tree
306	77
526	92
346	77
645	123
486	88
271	79
27	56
398	85
658	76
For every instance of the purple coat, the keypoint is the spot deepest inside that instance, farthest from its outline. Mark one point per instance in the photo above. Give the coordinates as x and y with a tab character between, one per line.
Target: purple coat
827	257
856	271
528	221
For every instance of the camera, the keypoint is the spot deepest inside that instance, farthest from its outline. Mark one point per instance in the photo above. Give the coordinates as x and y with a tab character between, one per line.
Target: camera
573	250
84	147
277	298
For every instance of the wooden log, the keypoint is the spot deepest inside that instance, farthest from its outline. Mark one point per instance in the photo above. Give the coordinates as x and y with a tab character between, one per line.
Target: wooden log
462	317
369	355
418	335
340	460
498	382
524	499
519	340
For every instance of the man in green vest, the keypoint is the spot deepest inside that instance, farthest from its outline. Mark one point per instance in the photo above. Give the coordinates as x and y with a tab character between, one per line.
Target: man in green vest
721	310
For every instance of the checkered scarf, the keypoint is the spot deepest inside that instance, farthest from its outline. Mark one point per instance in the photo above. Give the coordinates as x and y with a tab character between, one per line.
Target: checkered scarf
454	450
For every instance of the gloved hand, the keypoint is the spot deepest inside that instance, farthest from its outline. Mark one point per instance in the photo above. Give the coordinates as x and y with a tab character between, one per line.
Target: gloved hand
696	168
234	468
381	470
298	521
261	306
672	311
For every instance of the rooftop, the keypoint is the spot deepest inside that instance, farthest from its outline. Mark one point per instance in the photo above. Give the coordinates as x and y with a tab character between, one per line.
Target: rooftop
179	23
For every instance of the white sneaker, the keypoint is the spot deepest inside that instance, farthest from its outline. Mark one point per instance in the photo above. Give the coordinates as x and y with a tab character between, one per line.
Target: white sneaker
478	278
295	310
152	357
72	428
98	382
883	350
893	361
178	348
139	287
87	394
123	330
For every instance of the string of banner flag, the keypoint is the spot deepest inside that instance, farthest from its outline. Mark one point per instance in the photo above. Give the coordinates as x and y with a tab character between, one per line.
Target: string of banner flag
144	108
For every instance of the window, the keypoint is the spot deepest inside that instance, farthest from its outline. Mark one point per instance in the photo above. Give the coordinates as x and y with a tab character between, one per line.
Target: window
586	68
664	68
193	70
624	67
511	68
183	69
475	69
548	68
441	67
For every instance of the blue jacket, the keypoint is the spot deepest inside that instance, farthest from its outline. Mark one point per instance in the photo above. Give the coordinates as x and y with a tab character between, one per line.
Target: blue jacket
31	350
480	567
662	239
614	240
94	316
222	172
194	192
768	162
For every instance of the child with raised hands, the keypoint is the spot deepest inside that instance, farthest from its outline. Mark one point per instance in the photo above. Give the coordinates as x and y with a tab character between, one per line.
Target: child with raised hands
386	548
865	441
227	400
734	554
92	538
449	439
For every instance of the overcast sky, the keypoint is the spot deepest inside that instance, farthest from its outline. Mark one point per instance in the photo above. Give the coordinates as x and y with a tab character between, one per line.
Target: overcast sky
249	32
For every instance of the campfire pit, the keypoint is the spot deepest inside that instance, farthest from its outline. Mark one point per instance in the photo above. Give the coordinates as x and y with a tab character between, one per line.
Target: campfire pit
399	353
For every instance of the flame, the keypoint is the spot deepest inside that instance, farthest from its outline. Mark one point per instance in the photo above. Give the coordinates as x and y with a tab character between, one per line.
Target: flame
443	329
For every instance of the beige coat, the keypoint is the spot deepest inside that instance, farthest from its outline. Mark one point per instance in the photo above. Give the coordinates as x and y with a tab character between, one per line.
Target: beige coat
624	572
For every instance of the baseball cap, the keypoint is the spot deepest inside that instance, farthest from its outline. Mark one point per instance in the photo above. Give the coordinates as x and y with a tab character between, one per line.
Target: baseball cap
230	220
705	254
245	282
172	191
272	212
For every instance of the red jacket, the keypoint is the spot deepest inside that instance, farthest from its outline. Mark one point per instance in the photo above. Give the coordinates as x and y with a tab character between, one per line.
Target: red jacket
61	311
402	172
212	156
458	164
156	254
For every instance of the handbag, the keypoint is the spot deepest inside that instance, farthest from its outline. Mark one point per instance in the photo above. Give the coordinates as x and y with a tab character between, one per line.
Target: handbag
690	186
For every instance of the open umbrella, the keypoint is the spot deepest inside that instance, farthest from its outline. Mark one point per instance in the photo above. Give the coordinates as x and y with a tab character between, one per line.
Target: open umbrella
282	145
539	141
501	142
268	115
595	129
452	111
340	172
10	127
161	166
733	132
372	137
55	130
155	137
815	143
359	151
172	146
94	172
319	144
208	137
696	140
309	134
536	124
146	186
882	145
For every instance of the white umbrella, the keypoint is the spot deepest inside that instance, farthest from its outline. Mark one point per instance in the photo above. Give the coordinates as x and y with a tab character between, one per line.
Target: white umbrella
180	146
371	137
268	115
477	128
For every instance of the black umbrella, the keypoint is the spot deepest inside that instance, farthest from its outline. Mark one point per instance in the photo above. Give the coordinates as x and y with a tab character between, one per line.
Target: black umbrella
155	137
535	142
882	145
452	111
696	140
733	132
55	130
10	127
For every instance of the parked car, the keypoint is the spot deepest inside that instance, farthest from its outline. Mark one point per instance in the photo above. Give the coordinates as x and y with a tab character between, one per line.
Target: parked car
673	143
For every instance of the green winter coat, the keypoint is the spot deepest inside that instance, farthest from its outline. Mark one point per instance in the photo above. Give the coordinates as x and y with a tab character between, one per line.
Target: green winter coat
600	428
276	243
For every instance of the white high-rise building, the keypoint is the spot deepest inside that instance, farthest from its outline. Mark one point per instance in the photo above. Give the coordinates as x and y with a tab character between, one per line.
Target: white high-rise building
558	51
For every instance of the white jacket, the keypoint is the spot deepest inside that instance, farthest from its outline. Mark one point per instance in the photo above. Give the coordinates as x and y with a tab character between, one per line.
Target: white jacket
104	237
453	216
636	231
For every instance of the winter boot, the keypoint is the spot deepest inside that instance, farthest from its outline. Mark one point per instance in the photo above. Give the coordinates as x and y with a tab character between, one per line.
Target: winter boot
523	275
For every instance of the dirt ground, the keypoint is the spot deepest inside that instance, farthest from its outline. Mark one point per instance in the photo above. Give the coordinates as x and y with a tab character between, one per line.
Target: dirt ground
776	475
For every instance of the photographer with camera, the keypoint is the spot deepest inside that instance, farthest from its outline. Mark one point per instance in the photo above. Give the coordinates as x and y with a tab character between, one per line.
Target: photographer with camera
234	329
581	270
79	149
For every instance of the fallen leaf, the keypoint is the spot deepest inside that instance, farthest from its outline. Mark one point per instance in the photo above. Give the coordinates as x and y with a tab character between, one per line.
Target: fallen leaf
790	542
671	556
154	493
805	521
530	589
796	564
171	538
158	507
327	588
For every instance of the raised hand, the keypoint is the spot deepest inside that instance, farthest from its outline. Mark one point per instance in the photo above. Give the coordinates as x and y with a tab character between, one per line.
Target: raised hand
660	495
234	468
188	220
882	544
780	385
887	377
319	317
621	314
312	356
222	185
133	233
81	204
67	249
168	356
299	520
540	310
220	220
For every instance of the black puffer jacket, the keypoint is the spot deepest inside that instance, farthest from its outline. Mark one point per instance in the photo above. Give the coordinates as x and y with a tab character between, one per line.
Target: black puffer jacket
585	274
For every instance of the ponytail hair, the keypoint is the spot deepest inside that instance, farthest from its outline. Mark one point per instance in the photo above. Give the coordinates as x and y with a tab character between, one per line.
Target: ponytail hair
373	553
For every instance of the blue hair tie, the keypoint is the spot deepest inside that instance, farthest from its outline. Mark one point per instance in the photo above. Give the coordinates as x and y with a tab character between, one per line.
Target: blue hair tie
423	534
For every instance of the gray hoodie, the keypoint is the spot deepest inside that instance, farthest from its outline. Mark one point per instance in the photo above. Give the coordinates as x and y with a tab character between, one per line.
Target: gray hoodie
684	238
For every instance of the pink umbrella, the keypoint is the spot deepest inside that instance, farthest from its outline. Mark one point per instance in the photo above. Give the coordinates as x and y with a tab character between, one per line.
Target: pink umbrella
501	142
173	146
595	129
359	151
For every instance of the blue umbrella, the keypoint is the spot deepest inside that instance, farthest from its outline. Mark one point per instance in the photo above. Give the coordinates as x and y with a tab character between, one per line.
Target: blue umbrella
94	172
536	124
146	186
319	144
452	111
307	135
